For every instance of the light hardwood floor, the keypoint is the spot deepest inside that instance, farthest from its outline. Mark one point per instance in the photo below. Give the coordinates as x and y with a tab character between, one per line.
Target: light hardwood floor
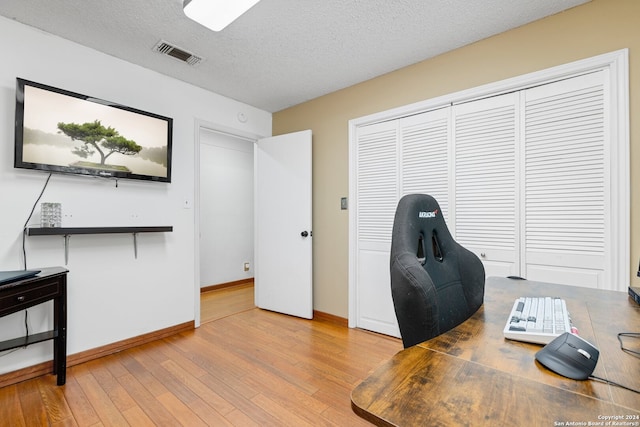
224	302
243	367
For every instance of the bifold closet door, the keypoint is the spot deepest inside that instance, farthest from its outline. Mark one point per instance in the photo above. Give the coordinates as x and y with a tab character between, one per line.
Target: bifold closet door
394	158
485	181
567	179
424	155
377	190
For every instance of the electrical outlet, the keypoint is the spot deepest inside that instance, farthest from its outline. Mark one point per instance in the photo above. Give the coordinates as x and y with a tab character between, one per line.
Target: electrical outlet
246	266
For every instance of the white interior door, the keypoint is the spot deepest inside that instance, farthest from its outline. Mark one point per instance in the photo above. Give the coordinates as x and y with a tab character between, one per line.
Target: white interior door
283	249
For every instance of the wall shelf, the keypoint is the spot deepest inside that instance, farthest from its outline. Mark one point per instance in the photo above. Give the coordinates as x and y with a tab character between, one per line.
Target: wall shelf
63	231
67	232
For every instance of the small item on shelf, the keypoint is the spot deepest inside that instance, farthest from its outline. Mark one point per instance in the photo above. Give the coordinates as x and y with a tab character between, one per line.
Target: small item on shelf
50	215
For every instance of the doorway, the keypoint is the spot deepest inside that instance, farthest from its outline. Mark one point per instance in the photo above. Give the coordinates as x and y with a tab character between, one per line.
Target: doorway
226	208
291	153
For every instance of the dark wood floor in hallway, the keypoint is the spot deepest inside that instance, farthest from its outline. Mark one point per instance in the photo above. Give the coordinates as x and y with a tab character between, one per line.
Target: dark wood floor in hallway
251	368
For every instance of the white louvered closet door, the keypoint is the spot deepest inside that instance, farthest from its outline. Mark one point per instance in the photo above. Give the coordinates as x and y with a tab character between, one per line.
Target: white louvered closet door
485	182
566	181
394	158
424	165
377	192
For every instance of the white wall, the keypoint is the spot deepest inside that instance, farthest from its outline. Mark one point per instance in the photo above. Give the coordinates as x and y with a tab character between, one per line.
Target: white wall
226	208
111	295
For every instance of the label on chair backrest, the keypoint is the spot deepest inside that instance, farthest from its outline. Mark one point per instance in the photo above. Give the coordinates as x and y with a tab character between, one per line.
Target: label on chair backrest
423	214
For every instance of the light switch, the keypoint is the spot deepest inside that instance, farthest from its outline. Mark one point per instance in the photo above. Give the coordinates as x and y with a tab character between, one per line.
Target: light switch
343	203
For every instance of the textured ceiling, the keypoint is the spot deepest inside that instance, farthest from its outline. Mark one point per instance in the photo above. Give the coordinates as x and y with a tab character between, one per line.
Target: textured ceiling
282	52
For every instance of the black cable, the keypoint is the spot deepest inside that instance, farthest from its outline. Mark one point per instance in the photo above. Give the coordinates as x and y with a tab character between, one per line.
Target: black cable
628	334
26	327
8	352
635	353
24	250
24	228
593	377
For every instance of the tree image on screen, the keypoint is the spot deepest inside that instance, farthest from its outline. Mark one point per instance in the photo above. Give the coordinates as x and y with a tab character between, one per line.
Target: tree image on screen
96	137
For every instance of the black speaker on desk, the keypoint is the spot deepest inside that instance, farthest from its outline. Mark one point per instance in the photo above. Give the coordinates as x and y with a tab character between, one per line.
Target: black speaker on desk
634	292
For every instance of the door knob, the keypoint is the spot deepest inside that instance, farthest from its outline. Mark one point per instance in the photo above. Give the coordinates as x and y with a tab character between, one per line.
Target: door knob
304	233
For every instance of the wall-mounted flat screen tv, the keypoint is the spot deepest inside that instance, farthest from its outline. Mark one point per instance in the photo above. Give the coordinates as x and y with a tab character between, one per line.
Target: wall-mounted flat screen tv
61	131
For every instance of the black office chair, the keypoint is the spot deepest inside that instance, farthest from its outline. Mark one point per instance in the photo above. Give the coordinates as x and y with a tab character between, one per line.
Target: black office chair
436	284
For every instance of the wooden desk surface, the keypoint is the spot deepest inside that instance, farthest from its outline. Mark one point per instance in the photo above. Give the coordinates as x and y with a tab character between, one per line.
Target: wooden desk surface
473	376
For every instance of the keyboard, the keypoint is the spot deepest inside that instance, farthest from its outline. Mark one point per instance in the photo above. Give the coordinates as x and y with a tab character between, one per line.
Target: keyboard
537	320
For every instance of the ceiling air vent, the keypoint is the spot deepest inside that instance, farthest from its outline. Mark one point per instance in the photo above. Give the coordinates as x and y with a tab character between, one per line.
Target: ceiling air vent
177	53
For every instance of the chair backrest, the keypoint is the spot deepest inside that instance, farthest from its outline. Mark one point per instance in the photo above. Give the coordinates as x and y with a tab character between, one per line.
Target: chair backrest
436	284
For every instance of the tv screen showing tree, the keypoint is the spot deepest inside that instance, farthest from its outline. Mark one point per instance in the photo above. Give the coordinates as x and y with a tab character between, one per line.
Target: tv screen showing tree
62	131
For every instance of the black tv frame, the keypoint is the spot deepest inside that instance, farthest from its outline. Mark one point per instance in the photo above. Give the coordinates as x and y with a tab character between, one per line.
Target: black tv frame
131	114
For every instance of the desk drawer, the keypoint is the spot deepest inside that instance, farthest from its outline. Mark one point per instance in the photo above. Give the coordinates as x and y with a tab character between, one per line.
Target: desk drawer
26	296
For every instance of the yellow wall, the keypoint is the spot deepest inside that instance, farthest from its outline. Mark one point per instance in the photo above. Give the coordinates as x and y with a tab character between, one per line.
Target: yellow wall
597	27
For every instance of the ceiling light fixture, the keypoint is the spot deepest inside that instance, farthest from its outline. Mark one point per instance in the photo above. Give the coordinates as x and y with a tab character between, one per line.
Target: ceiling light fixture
216	14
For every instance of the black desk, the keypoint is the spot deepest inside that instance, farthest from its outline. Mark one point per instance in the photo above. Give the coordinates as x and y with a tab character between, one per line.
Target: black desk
49	284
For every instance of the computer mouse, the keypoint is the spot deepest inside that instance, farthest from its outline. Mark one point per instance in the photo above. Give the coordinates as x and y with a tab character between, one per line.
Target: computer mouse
570	356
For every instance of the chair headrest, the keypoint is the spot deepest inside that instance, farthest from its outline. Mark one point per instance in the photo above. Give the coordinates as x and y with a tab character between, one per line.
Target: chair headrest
418	216
418	212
